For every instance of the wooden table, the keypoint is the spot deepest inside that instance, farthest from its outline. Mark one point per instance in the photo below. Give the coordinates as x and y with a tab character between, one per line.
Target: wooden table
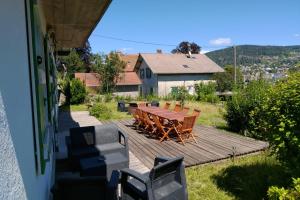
163	113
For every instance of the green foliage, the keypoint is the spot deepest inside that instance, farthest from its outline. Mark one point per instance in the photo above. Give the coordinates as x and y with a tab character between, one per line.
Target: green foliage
251	55
73	62
185	47
77	91
64	87
108	97
108	67
100	111
278	120
206	92
179	94
276	193
245	100
225	80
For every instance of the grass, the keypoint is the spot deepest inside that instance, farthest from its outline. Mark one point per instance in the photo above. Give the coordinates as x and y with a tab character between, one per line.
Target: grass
211	114
248	177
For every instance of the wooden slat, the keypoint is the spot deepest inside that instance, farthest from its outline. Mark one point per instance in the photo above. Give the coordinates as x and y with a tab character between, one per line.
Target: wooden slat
213	145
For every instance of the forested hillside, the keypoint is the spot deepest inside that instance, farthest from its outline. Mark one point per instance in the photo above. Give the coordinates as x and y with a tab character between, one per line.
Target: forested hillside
252	55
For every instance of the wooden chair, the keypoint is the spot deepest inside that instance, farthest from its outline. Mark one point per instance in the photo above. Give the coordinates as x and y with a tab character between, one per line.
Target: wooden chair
143	104
140	118
167	105
185	129
149	125
177	108
164	130
196	112
185	110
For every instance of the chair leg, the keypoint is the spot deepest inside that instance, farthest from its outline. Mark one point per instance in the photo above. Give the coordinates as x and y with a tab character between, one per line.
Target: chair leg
179	136
166	135
193	137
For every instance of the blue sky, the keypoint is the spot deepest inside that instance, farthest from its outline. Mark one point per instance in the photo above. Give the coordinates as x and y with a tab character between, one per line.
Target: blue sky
213	24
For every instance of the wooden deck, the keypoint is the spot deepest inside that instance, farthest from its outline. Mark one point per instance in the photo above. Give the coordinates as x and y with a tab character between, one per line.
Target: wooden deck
213	145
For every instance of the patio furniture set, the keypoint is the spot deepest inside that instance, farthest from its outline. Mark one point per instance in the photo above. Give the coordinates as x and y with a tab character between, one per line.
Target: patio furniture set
101	156
165	124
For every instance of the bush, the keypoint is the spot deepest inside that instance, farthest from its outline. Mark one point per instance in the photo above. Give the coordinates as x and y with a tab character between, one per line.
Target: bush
244	101
278	120
77	91
206	92
108	97
100	111
275	193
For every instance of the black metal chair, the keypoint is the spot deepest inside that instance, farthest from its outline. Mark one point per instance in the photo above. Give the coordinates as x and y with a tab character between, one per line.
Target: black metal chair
155	103
166	180
121	106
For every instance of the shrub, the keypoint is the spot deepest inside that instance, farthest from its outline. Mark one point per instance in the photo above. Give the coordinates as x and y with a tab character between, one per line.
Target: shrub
206	92
275	193
77	91
278	120
108	97
244	101
100	111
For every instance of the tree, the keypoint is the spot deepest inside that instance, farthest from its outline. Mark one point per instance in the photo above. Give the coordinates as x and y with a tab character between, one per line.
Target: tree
73	62
85	55
225	80
185	46
109	68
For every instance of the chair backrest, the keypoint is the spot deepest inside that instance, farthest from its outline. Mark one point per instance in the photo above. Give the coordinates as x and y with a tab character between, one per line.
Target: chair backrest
107	133
157	123
168	179
143	104
185	110
82	136
196	112
167	105
177	108
188	122
146	118
155	103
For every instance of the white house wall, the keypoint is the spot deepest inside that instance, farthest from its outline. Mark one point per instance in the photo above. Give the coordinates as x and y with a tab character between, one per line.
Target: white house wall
16	109
147	83
166	82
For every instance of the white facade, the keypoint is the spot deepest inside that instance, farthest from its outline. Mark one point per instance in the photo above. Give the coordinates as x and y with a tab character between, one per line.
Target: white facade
162	84
21	176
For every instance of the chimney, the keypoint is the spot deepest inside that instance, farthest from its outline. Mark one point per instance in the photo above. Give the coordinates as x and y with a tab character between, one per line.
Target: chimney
158	51
189	51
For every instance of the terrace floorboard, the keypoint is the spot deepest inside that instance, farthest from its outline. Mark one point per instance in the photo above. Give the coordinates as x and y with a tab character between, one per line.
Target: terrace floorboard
213	145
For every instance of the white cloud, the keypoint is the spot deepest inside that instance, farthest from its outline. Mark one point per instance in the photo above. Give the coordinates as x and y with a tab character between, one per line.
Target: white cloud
203	51
220	41
125	49
296	35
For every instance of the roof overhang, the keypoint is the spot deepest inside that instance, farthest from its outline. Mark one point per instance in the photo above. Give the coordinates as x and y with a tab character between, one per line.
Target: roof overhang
72	21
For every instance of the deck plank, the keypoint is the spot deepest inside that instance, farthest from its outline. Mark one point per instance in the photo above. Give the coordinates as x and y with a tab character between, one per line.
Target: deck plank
212	145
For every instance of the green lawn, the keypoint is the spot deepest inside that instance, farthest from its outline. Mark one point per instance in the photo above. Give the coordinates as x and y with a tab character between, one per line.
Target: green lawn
211	114
246	178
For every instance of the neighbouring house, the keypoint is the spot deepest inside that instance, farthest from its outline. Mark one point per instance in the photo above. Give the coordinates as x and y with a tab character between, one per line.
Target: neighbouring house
32	35
90	80
128	81
161	73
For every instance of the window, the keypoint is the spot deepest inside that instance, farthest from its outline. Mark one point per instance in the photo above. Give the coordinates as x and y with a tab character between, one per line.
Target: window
142	73
148	73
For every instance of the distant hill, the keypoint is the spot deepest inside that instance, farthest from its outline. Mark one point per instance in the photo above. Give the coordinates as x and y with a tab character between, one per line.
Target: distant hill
261	56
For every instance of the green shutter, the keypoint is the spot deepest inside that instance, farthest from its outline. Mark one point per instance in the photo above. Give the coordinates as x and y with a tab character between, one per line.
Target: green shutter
40	81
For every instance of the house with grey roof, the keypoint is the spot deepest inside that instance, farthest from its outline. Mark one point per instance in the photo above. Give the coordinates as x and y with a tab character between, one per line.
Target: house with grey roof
161	73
